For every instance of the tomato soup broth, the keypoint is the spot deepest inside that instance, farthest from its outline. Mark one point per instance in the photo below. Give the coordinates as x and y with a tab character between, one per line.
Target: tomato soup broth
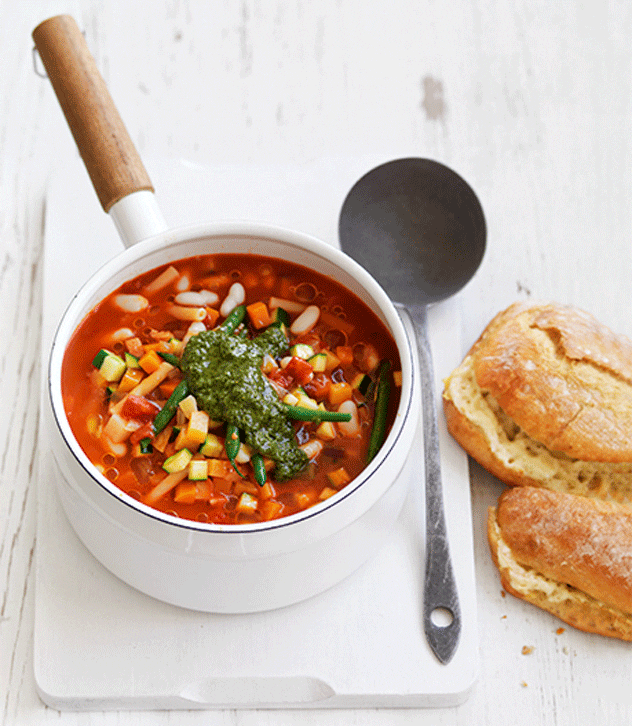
231	388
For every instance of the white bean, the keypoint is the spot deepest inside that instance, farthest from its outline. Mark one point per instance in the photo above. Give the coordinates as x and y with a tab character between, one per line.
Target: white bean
236	296
121	334
210	297
352	427
189	298
131	303
183	283
306	320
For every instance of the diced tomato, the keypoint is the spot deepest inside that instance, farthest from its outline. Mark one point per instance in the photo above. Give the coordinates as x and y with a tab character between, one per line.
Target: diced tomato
278	375
139	408
146	431
345	354
318	387
302	371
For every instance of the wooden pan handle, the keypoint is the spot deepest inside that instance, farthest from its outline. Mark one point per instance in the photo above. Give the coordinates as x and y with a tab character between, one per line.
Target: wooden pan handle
110	156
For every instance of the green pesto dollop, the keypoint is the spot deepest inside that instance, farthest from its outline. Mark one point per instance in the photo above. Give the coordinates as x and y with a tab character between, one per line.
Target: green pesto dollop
224	374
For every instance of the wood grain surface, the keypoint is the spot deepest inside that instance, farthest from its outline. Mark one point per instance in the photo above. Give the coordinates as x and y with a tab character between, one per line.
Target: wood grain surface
529	101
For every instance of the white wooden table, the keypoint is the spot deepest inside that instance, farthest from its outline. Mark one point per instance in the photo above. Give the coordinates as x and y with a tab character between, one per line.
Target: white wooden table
529	101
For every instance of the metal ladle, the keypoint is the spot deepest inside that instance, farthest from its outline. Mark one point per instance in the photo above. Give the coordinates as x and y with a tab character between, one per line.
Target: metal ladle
419	229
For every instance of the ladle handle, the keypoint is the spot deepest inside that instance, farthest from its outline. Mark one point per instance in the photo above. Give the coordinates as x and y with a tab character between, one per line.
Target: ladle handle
441	610
106	148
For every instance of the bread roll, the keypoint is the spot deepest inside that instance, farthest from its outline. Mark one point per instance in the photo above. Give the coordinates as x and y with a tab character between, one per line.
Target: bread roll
569	555
544	398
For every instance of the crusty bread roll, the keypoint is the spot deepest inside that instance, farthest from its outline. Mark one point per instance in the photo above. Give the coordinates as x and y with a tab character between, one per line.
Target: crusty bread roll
569	555
544	398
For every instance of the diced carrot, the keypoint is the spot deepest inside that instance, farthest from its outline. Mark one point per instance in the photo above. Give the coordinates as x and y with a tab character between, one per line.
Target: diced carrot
339	477
271	509
185	492
131	378
259	315
150	362
211	317
221	468
168	386
345	354
339	392
203	489
246	486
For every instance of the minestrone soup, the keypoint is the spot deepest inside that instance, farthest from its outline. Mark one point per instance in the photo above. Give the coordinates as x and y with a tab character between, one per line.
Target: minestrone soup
231	388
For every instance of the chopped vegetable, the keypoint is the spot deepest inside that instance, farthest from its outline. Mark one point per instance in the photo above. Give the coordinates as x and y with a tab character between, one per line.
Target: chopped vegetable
378	431
178	461
167	412
110	365
300	413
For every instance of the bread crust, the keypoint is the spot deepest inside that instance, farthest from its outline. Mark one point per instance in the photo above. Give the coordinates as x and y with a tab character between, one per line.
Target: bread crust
564	378
497	403
568	555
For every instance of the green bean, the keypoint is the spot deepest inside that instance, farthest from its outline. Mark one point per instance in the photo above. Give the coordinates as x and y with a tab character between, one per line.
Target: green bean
170	358
232	442
234	319
301	413
259	469
166	413
381	409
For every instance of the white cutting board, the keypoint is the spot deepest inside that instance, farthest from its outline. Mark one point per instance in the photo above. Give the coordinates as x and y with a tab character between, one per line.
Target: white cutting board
101	645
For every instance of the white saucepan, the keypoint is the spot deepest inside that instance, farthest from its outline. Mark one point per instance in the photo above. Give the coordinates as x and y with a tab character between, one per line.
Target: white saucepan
230	568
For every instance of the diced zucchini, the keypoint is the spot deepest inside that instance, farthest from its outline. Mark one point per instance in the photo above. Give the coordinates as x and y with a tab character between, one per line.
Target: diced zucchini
100	357
131	361
198	469
145	446
302	350
318	362
110	366
178	461
362	383
279	315
212	446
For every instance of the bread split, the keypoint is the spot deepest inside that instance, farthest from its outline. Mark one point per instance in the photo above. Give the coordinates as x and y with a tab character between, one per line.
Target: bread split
544	398
569	555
